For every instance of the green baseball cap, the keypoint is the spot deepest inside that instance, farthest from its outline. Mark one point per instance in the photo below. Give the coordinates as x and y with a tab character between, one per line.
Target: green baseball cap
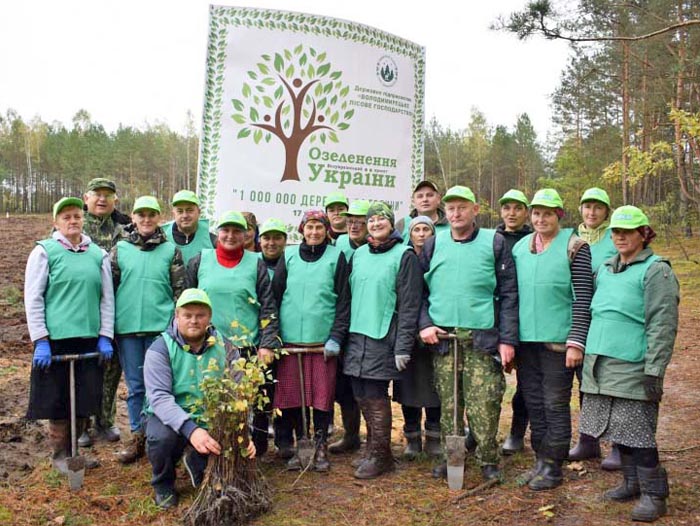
232	218
273	225
358	207
628	217
547	197
64	202
146	202
185	196
335	198
189	296
514	195
459	192
596	194
101	182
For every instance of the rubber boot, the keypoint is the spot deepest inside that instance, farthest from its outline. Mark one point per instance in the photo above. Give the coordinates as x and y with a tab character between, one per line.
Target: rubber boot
320	461
629	488
380	460
59	440
549	477
530	473
350	414
432	445
587	447
653	483
513	444
414	445
469	440
135	448
612	462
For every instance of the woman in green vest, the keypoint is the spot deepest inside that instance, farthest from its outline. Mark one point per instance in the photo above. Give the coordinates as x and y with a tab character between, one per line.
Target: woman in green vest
555	286
386	285
416	389
69	302
630	343
310	285
595	212
148	275
244	310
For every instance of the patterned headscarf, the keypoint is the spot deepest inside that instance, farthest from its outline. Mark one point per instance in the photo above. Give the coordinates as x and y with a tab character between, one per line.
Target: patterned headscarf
380	208
318	215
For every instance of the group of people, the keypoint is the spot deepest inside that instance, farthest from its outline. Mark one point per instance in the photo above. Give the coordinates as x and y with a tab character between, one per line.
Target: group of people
388	303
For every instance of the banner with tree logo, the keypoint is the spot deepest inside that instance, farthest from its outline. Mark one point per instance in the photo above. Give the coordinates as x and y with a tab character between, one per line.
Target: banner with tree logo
297	106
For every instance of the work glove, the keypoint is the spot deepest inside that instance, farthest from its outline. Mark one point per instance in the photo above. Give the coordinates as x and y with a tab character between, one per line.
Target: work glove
42	354
104	346
331	349
401	361
653	387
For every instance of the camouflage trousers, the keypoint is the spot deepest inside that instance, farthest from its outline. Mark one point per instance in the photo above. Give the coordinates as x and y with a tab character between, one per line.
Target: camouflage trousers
110	383
480	385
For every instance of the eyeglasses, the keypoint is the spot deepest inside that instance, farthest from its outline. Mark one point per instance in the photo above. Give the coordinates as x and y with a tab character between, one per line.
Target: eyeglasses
108	196
356	222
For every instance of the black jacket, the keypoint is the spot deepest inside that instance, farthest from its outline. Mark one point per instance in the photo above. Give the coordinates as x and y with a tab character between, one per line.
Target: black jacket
505	329
512	238
369	358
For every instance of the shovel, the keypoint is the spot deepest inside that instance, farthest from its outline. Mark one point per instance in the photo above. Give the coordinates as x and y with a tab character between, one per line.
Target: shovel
454	443
305	446
75	463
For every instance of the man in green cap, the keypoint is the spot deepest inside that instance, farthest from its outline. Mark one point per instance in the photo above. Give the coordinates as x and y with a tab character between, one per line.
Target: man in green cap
104	224
472	292
189	232
356	221
174	425
273	241
426	202
335	204
514	227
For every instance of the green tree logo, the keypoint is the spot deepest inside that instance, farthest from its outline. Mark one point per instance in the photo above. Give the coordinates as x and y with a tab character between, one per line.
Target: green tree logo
293	95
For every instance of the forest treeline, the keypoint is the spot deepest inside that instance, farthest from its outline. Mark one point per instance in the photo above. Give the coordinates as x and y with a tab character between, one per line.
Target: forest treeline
626	117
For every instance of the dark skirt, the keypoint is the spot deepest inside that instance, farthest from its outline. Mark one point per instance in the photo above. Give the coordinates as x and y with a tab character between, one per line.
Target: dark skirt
416	388
49	389
619	420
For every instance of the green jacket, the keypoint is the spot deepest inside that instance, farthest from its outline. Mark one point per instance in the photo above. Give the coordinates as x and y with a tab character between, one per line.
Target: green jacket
612	377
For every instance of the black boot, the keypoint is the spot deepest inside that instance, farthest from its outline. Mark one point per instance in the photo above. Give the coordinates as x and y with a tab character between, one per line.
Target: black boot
469	440
531	473
350	442
549	477
612	462
432	445
440	471
653	483
629	488
414	446
513	444
320	461
587	447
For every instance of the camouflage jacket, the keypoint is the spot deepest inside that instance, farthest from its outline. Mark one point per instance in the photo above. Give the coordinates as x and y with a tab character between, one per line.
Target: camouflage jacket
177	267
105	232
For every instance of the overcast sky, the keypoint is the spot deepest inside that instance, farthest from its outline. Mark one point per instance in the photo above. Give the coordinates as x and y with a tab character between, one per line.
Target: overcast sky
134	62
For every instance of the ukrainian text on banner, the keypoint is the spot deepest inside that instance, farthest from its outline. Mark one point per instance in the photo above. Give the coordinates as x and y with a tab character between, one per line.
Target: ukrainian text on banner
299	105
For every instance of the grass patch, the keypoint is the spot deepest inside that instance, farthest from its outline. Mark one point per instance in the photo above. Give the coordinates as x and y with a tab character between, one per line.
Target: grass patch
143	507
11	295
9	370
53	479
6	516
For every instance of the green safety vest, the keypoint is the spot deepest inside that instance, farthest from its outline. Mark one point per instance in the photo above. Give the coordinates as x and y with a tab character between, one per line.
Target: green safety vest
343	244
373	287
602	250
462	281
201	239
188	371
618	313
233	295
307	311
73	292
144	299
545	291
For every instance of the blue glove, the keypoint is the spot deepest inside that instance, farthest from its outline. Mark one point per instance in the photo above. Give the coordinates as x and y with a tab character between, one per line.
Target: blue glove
104	346
401	361
42	354
331	349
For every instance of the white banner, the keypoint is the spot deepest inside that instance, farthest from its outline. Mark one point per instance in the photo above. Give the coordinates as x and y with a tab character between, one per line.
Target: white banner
297	106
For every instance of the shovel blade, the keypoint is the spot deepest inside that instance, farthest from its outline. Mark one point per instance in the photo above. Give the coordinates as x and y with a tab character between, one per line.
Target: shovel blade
454	446
305	452
76	472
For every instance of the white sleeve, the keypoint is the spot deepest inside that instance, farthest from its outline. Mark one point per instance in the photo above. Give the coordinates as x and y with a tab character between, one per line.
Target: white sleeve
36	276
107	300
